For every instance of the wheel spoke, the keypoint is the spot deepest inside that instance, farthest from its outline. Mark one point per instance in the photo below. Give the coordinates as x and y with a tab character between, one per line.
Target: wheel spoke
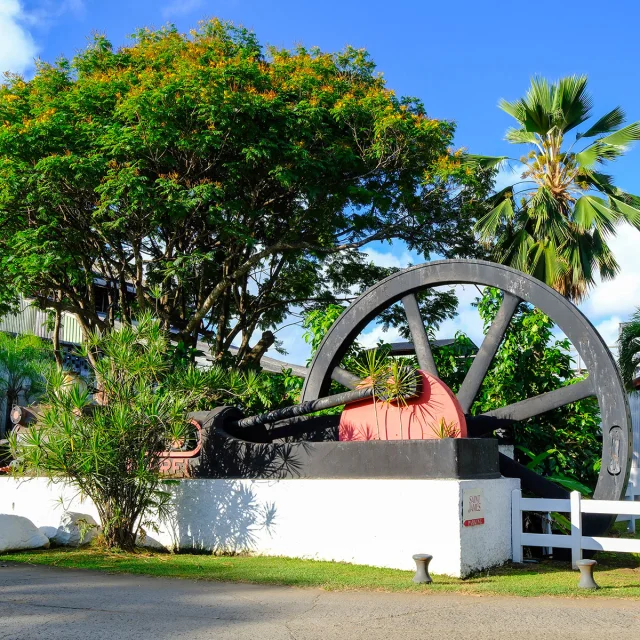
345	378
544	402
419	335
484	357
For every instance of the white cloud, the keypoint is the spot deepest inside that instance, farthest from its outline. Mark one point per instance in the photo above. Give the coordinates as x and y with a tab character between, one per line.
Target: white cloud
298	351
509	174
400	259
46	12
468	320
370	339
180	7
620	296
17	48
609	330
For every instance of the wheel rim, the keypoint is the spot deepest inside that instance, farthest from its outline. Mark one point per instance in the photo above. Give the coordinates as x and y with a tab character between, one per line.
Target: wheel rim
603	382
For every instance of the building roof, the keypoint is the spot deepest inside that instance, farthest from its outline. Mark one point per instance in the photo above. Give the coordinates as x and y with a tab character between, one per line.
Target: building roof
407	348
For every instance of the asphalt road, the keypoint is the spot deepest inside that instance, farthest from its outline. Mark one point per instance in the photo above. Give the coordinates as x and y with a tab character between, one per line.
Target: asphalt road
44	602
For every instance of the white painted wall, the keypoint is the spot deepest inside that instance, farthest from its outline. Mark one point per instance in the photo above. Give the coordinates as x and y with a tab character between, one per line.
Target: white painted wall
41	501
378	522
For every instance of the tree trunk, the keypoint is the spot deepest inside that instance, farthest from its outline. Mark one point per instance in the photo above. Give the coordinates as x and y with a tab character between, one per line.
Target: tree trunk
252	359
119	533
56	338
10	401
121	538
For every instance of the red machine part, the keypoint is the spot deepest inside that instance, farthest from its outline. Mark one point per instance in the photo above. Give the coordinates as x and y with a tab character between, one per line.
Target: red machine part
435	413
176	463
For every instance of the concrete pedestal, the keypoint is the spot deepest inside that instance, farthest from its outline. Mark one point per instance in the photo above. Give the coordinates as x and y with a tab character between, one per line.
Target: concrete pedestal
379	522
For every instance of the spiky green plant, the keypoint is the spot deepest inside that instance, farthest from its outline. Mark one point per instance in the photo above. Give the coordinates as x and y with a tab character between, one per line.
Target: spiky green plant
443	429
110	450
555	222
393	381
401	384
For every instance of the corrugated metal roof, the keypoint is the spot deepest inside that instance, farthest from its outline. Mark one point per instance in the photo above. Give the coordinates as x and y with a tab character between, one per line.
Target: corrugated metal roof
407	348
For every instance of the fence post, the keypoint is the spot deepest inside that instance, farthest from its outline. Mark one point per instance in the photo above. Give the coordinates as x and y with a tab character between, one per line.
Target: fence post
576	529
516	526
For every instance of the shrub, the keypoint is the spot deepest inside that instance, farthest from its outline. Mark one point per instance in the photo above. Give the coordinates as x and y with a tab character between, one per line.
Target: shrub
109	446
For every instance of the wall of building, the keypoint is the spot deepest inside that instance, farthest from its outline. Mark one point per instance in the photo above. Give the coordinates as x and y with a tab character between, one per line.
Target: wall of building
32	320
374	522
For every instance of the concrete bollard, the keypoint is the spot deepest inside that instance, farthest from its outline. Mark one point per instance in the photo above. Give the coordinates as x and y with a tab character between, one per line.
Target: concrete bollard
586	574
422	568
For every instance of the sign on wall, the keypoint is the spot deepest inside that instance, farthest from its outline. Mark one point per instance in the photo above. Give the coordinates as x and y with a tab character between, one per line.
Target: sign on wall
472	507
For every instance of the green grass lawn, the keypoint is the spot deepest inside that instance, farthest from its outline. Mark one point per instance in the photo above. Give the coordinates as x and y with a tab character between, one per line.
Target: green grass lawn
617	574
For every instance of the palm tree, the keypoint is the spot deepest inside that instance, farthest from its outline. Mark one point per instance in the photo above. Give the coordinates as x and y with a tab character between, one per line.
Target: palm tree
555	222
23	361
629	350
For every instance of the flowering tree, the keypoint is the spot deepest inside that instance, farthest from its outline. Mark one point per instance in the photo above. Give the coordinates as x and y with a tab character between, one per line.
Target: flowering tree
217	183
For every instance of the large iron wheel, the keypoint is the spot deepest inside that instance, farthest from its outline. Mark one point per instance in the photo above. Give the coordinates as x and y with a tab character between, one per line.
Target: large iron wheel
603	381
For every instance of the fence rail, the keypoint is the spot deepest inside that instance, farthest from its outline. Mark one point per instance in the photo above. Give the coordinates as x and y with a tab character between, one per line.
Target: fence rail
575	541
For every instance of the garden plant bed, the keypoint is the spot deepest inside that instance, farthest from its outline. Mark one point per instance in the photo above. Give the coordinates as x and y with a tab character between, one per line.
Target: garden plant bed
617	574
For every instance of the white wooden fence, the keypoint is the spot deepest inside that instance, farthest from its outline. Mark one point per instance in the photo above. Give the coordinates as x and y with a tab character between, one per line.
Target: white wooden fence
576	506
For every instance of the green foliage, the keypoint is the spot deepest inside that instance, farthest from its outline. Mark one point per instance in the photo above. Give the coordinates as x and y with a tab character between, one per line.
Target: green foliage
454	360
316	324
566	443
444	429
109	448
629	350
550	223
257	391
24	360
226	182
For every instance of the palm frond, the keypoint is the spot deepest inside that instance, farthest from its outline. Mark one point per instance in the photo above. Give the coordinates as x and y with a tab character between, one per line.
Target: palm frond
538	106
499	196
571	103
590	212
629	213
603	256
598	152
489	223
514	109
622	137
607	123
606	217
587	178
483	162
520	136
547	216
543	262
512	247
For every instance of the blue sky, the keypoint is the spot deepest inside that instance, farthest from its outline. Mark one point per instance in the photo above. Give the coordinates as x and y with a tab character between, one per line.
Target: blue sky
459	57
